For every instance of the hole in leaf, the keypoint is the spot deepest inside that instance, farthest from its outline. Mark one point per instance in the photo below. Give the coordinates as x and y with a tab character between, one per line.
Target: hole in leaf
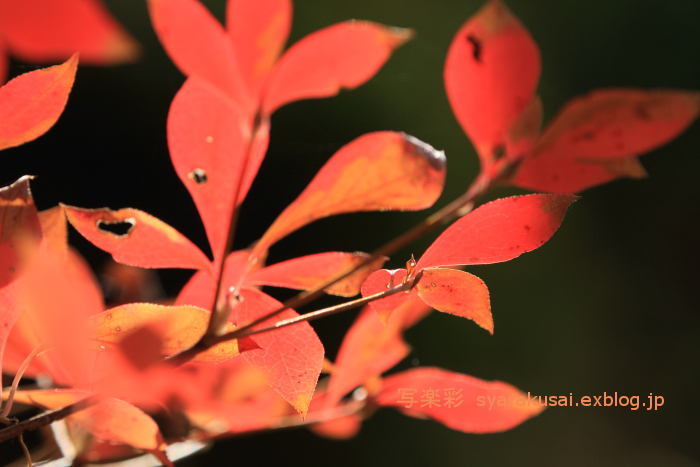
477	48
118	228
498	152
198	175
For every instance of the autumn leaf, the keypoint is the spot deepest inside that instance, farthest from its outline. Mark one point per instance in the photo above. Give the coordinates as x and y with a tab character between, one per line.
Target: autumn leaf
214	153
31	103
460	402
48	30
375	172
136	238
308	272
342	56
290	357
458	293
597	137
491	73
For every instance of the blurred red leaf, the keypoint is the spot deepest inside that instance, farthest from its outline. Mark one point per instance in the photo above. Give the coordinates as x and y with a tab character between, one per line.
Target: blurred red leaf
344	55
596	138
19	225
377	171
290	357
48	30
458	293
491	73
460	402
31	103
136	238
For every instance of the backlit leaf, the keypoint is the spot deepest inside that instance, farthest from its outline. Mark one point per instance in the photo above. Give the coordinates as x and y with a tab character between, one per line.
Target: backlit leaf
31	103
458	293
258	29
491	73
375	172
180	327
344	55
19	225
199	46
460	402
308	272
208	138
290	357
136	238
498	231
47	30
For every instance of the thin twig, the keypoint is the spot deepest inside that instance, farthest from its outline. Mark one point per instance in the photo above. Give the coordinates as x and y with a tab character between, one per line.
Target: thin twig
16	380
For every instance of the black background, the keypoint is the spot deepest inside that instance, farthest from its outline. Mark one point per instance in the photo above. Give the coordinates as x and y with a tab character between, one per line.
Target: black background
608	305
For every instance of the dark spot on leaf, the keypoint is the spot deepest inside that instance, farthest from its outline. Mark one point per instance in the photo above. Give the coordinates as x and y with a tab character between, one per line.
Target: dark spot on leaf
119	228
477	48
198	175
642	112
498	152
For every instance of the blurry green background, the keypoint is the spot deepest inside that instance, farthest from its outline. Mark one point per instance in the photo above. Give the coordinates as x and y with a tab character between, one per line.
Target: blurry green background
610	304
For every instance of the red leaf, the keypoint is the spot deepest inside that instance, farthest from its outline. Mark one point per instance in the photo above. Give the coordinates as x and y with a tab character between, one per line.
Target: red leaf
458	293
208	139
31	103
377	171
491	73
19	225
370	347
48	30
199	290
308	272
3	61
136	238
344	55
199	46
380	281
460	402
498	231
258	29
290	357
596	137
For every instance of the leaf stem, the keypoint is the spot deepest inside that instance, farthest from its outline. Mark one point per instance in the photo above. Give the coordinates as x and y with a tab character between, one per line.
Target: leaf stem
7	408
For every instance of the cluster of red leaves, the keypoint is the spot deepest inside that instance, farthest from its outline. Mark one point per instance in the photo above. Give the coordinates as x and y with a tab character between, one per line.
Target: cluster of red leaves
218	131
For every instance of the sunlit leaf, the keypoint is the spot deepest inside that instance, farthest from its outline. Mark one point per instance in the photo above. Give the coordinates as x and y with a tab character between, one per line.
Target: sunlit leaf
344	55
136	238
458	293
290	357
498	231
308	272
491	73
375	172
31	103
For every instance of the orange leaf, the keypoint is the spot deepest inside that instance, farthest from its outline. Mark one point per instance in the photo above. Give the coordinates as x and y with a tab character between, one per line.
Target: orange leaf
458	293
180	326
344	55
31	103
377	171
460	402
308	272
47	30
210	56
491	73
258	30
136	238
290	357
208	138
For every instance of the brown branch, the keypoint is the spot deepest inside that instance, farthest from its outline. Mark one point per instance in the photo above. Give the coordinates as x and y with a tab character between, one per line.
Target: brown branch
45	418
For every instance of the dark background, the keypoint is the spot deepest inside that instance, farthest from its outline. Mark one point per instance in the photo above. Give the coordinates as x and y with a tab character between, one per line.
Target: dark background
608	305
